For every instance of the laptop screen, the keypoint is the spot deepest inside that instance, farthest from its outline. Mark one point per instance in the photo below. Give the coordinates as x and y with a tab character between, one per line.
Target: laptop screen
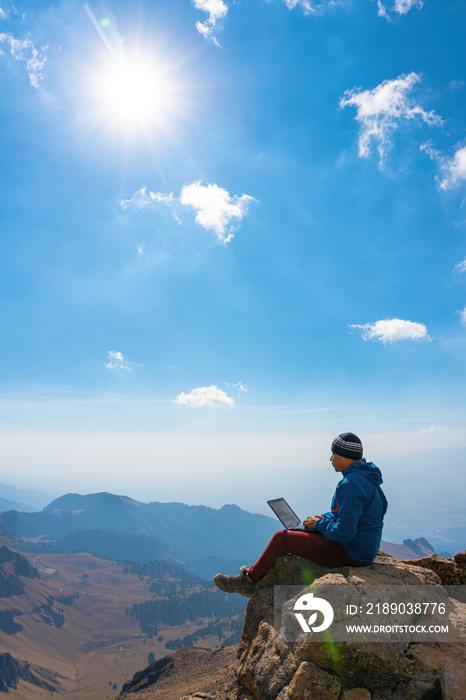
284	513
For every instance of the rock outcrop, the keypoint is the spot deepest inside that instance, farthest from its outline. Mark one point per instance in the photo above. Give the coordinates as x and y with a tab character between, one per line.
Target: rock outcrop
273	668
460	558
192	673
12	671
452	571
13	568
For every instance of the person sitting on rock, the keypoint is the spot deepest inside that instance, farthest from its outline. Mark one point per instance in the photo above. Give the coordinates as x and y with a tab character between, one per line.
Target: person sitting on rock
348	535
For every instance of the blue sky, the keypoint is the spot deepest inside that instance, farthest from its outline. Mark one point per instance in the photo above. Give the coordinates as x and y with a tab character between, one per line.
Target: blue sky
229	229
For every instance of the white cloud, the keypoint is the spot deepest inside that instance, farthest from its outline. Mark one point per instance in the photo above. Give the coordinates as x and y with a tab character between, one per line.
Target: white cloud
382	11
144	198
216	10
116	360
404	6
381	110
401	7
463	316
23	50
204	396
305	4
434	430
2	13
391	330
460	267
453	170
309	6
430	150
239	386
215	207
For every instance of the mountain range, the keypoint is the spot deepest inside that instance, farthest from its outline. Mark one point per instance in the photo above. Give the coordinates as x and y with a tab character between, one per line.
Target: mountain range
197	538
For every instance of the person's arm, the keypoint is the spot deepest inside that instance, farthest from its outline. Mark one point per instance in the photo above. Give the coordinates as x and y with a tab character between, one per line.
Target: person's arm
343	524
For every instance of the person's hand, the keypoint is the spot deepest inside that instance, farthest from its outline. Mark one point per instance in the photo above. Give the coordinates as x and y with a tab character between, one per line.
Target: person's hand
311	520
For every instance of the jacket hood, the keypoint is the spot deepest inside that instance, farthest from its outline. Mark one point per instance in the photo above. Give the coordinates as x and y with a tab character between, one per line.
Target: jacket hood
367	469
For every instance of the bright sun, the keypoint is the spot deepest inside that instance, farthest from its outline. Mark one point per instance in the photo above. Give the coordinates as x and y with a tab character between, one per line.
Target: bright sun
133	92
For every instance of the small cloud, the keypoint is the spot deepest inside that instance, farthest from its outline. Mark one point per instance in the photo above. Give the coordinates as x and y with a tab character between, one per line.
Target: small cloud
23	50
117	361
454	169
391	330
456	84
401	7
144	198
240	387
460	267
2	13
432	152
310	7
237	385
404	6
305	4
463	316
381	111
215	207
382	11
216	10
434	430
204	396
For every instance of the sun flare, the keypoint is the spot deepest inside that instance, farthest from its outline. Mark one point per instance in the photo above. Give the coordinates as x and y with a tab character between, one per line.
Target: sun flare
133	92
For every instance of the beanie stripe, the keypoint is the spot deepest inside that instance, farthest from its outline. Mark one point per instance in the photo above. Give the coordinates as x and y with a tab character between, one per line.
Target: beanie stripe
352	449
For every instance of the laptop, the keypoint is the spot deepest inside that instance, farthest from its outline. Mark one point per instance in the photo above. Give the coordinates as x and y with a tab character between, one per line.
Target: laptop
287	516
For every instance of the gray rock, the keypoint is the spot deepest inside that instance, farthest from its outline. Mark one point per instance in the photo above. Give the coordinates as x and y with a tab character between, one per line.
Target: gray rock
271	667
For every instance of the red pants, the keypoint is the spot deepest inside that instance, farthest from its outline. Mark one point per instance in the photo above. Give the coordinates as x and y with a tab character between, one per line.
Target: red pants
309	545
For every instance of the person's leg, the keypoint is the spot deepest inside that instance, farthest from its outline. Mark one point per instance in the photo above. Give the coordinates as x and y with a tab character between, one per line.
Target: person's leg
309	545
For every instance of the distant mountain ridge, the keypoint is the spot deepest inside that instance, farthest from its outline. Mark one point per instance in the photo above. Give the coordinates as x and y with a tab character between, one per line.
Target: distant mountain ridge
6	505
28	499
198	538
410	549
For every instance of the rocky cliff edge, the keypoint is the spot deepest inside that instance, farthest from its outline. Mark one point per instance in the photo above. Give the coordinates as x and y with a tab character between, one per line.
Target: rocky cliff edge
273	668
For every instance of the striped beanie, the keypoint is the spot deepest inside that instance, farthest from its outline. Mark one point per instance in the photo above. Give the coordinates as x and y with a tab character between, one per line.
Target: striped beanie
347	445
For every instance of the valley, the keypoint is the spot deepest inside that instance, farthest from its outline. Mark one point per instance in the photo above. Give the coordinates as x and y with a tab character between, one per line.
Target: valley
76	622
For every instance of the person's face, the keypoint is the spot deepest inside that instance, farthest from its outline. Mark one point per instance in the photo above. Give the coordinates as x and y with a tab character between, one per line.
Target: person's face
340	463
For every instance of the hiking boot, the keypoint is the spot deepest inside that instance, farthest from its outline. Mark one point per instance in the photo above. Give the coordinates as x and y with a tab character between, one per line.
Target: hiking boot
236	584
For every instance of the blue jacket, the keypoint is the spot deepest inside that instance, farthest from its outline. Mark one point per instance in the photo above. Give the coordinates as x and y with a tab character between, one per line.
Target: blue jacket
356	515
